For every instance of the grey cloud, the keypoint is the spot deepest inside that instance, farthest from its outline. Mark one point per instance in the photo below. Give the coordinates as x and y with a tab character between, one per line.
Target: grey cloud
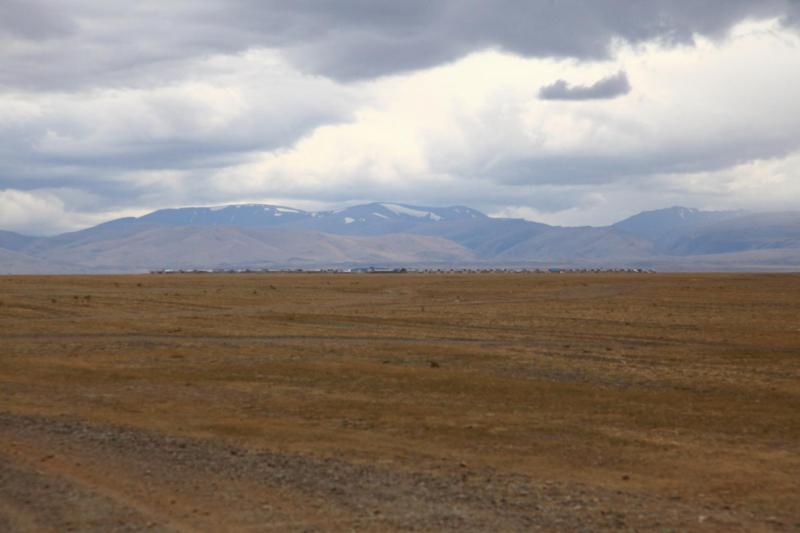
80	46
606	88
602	169
139	42
33	19
102	141
357	39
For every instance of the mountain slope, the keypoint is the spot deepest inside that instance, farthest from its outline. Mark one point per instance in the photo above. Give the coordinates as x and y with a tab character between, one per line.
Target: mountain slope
656	225
486	237
150	246
12	262
751	232
580	243
14	241
389	233
368	219
244	215
385	218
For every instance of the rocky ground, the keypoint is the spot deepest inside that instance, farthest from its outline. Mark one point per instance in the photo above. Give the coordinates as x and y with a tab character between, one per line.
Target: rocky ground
63	474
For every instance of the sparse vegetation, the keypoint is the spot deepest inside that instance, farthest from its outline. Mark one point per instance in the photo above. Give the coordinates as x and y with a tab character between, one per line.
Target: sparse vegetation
513	402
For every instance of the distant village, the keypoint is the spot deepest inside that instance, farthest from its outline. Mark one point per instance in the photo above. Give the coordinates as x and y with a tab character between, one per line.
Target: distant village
403	270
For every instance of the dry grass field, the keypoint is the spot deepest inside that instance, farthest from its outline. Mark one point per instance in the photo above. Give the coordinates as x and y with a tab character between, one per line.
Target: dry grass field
314	402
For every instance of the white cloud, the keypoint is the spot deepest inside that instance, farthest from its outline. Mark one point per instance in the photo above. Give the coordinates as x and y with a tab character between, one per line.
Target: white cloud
47	212
711	124
475	132
114	140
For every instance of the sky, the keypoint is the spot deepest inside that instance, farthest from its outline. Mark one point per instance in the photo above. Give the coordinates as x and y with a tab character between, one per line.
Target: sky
569	112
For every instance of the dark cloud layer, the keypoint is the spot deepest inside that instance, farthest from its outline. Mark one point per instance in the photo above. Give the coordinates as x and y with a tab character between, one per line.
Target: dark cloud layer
610	87
31	19
362	38
136	42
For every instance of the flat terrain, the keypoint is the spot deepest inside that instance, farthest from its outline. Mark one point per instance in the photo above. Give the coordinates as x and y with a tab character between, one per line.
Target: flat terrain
486	402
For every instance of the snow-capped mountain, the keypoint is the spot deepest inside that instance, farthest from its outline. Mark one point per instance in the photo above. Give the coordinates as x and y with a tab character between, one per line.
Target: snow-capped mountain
246	215
368	219
392	233
383	218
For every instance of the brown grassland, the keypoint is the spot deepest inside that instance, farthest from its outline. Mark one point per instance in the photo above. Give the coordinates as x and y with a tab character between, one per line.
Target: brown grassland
486	402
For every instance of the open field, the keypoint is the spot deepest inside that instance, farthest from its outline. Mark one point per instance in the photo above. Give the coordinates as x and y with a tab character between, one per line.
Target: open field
380	402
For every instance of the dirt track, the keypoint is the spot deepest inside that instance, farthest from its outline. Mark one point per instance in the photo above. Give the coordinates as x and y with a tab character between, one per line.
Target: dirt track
320	402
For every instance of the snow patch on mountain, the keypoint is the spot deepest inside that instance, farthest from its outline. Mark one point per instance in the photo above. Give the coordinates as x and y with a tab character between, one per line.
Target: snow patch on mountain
402	210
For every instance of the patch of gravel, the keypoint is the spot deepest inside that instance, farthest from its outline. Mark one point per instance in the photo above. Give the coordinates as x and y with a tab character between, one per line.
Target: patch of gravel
379	497
52	503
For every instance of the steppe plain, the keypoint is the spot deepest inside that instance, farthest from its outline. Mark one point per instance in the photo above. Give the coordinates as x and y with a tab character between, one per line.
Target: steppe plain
321	402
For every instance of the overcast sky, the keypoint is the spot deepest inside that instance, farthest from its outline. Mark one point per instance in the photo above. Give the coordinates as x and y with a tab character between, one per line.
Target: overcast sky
567	112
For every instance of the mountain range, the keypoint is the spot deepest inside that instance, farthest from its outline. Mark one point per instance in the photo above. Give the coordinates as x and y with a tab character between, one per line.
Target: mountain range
391	234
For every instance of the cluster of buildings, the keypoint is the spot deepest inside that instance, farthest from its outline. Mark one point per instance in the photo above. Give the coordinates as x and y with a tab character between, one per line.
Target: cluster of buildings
402	270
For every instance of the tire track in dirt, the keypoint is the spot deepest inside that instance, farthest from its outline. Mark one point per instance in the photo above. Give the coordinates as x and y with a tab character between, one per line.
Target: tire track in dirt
560	338
35	496
306	493
147	479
